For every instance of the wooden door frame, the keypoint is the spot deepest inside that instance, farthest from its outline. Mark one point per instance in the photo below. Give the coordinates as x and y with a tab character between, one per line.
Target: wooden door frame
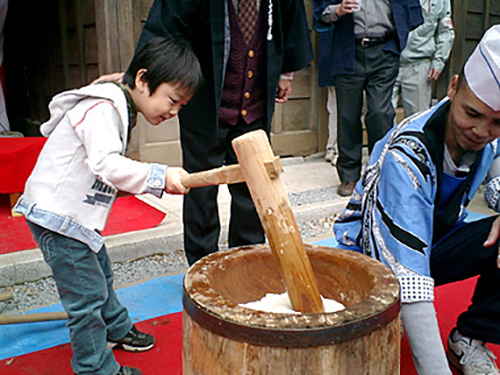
118	28
459	17
115	34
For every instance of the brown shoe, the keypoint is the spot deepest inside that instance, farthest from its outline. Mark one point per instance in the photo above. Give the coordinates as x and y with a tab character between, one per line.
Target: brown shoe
345	189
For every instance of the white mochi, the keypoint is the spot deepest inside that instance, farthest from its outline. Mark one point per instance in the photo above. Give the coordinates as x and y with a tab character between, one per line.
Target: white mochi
280	303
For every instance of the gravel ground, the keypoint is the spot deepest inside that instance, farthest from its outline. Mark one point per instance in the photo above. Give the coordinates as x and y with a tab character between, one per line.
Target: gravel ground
43	292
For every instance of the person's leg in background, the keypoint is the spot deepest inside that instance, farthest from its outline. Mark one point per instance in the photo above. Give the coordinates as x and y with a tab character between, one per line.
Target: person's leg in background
245	227
200	210
331	144
349	90
382	70
396	91
416	88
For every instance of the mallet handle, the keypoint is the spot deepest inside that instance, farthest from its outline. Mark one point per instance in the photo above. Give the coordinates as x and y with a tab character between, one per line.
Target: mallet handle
223	175
275	213
230	174
31	318
5	296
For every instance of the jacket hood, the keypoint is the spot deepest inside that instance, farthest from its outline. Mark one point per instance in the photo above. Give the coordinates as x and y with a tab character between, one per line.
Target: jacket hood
65	101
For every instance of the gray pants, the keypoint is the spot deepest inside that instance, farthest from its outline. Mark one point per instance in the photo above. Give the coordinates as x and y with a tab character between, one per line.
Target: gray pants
331	106
414	87
375	72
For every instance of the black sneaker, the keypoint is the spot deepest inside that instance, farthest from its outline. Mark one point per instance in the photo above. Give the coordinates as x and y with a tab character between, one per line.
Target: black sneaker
134	341
129	371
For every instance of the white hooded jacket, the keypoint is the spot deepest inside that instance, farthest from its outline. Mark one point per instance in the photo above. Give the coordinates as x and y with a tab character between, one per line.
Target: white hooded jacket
83	165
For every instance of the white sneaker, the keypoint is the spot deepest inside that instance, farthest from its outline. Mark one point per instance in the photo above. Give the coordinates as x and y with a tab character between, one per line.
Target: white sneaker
471	357
331	156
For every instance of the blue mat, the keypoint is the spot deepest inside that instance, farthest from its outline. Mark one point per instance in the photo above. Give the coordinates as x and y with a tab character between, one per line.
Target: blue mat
330	242
148	300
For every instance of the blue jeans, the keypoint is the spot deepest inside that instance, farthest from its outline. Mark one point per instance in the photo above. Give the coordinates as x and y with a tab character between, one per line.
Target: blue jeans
84	281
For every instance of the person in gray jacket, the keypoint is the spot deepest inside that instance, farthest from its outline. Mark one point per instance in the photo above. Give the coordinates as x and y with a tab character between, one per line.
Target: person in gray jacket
424	57
79	172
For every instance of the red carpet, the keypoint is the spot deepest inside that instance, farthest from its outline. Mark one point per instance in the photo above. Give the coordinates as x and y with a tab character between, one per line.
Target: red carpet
128	214
17	159
163	359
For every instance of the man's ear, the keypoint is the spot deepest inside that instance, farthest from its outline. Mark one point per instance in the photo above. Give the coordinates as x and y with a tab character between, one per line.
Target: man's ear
140	82
453	87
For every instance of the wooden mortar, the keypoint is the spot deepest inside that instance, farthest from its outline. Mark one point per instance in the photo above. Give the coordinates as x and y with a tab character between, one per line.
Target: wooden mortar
221	337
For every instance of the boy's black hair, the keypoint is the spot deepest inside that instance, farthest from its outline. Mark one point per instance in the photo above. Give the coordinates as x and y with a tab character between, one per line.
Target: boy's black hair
166	60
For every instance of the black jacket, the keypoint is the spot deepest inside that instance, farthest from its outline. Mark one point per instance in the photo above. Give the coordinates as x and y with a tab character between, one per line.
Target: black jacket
201	23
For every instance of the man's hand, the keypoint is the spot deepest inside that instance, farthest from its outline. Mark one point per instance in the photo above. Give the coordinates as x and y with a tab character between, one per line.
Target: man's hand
284	90
433	74
113	77
493	237
347	6
173	183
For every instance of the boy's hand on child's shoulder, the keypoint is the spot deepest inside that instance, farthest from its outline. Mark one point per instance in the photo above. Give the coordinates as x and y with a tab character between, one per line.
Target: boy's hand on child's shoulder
173	184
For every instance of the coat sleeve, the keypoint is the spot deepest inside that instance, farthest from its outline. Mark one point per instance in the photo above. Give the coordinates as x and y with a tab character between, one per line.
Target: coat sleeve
169	18
400	218
296	39
444	38
402	210
319	7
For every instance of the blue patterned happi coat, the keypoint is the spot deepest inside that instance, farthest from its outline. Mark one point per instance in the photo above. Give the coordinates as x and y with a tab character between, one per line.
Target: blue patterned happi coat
403	204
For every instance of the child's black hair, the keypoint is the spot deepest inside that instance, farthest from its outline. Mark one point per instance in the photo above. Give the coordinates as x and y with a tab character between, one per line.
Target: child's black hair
166	60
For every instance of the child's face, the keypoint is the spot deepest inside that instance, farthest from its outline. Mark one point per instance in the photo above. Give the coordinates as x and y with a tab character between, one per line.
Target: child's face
164	104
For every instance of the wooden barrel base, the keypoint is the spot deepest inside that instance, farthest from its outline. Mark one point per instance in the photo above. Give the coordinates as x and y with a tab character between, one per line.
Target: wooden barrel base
207	354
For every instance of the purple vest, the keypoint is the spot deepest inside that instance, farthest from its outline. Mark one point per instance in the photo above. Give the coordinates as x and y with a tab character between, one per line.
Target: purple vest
244	94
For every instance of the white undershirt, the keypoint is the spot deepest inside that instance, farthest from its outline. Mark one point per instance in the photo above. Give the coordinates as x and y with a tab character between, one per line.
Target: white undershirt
452	169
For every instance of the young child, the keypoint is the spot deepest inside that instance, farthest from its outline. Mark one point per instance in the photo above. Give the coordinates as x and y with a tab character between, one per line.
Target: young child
80	170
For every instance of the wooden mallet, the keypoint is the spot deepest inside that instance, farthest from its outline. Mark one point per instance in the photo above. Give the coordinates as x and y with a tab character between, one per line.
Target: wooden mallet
260	168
